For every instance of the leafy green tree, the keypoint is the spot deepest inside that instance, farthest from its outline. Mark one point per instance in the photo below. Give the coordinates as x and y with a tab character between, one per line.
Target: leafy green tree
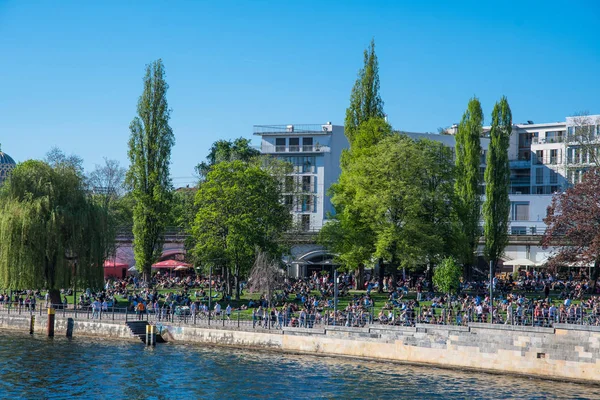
240	210
52	235
446	276
227	150
400	199
496	206
349	233
150	146
468	179
365	100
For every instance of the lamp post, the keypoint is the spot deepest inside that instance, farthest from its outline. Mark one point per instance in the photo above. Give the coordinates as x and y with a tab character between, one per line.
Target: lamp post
335	295
491	291
209	292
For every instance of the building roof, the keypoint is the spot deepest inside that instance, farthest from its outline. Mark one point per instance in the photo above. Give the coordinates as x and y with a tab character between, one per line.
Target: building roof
5	159
7	164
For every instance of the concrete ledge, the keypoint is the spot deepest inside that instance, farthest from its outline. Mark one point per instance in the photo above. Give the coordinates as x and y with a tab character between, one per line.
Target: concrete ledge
572	327
449	328
346	329
309	331
512	328
393	328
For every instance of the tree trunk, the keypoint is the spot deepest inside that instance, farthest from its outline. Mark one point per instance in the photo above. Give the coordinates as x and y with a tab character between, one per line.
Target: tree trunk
596	273
237	282
227	277
381	275
55	299
359	279
393	272
430	275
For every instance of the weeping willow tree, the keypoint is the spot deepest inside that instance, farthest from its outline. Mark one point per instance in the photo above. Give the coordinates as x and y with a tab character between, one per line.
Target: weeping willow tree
52	235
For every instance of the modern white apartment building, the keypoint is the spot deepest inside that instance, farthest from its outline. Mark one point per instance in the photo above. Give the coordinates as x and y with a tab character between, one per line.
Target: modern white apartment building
546	158
314	151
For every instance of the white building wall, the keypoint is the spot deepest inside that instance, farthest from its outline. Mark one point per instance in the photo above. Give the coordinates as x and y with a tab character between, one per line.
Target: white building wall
328	142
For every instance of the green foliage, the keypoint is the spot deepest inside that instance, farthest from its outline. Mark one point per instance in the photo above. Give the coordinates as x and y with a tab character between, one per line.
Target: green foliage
240	211
395	200
446	276
150	146
349	233
51	232
365	101
468	180
496	206
227	150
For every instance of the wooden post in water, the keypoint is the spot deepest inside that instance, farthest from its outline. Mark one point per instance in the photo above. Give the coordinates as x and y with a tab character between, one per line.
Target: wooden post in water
150	335
32	324
50	328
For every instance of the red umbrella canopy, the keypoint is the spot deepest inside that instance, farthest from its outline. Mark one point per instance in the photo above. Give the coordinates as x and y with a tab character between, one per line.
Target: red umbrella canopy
114	264
170	264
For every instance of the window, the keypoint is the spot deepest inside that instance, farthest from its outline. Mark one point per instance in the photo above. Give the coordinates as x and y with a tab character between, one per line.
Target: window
519	211
553	176
307	144
539	176
294	144
305	222
553	156
308	203
308	164
289	200
289	184
306	184
539	157
279	145
518	230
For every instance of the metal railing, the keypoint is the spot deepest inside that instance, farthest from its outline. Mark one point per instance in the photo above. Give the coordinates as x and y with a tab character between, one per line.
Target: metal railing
324	318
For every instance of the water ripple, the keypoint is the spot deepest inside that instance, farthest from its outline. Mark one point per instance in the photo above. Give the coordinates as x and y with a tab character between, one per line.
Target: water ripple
34	367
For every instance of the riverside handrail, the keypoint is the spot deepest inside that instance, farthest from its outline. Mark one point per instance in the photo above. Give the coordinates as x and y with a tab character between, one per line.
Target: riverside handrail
442	316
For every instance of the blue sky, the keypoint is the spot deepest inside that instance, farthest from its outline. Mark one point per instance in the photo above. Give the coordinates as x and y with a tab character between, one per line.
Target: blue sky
71	71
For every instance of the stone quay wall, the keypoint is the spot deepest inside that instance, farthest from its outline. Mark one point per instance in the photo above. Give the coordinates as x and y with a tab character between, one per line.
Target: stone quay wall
565	352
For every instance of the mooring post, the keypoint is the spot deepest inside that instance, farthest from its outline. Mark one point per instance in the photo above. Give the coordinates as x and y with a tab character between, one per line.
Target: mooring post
51	316
32	324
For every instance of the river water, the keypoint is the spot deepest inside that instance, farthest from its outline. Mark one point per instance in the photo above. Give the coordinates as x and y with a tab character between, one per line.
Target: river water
35	367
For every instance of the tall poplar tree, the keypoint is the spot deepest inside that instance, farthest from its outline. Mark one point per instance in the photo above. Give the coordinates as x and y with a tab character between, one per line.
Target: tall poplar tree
468	179
348	234
365	101
150	146
497	176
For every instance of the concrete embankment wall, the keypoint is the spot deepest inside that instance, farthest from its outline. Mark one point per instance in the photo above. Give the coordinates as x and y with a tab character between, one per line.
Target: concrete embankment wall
565	352
92	328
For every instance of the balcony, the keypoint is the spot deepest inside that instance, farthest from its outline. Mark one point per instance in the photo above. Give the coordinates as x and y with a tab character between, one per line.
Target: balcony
557	139
519	164
520	181
270	149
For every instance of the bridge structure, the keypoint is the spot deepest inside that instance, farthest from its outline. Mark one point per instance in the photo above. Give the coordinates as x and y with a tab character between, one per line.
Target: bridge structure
306	255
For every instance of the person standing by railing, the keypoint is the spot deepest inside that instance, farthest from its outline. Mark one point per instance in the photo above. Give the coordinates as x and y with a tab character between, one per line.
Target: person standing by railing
95	309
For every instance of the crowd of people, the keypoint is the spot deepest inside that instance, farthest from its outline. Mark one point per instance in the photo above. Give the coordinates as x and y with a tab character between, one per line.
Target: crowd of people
522	298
